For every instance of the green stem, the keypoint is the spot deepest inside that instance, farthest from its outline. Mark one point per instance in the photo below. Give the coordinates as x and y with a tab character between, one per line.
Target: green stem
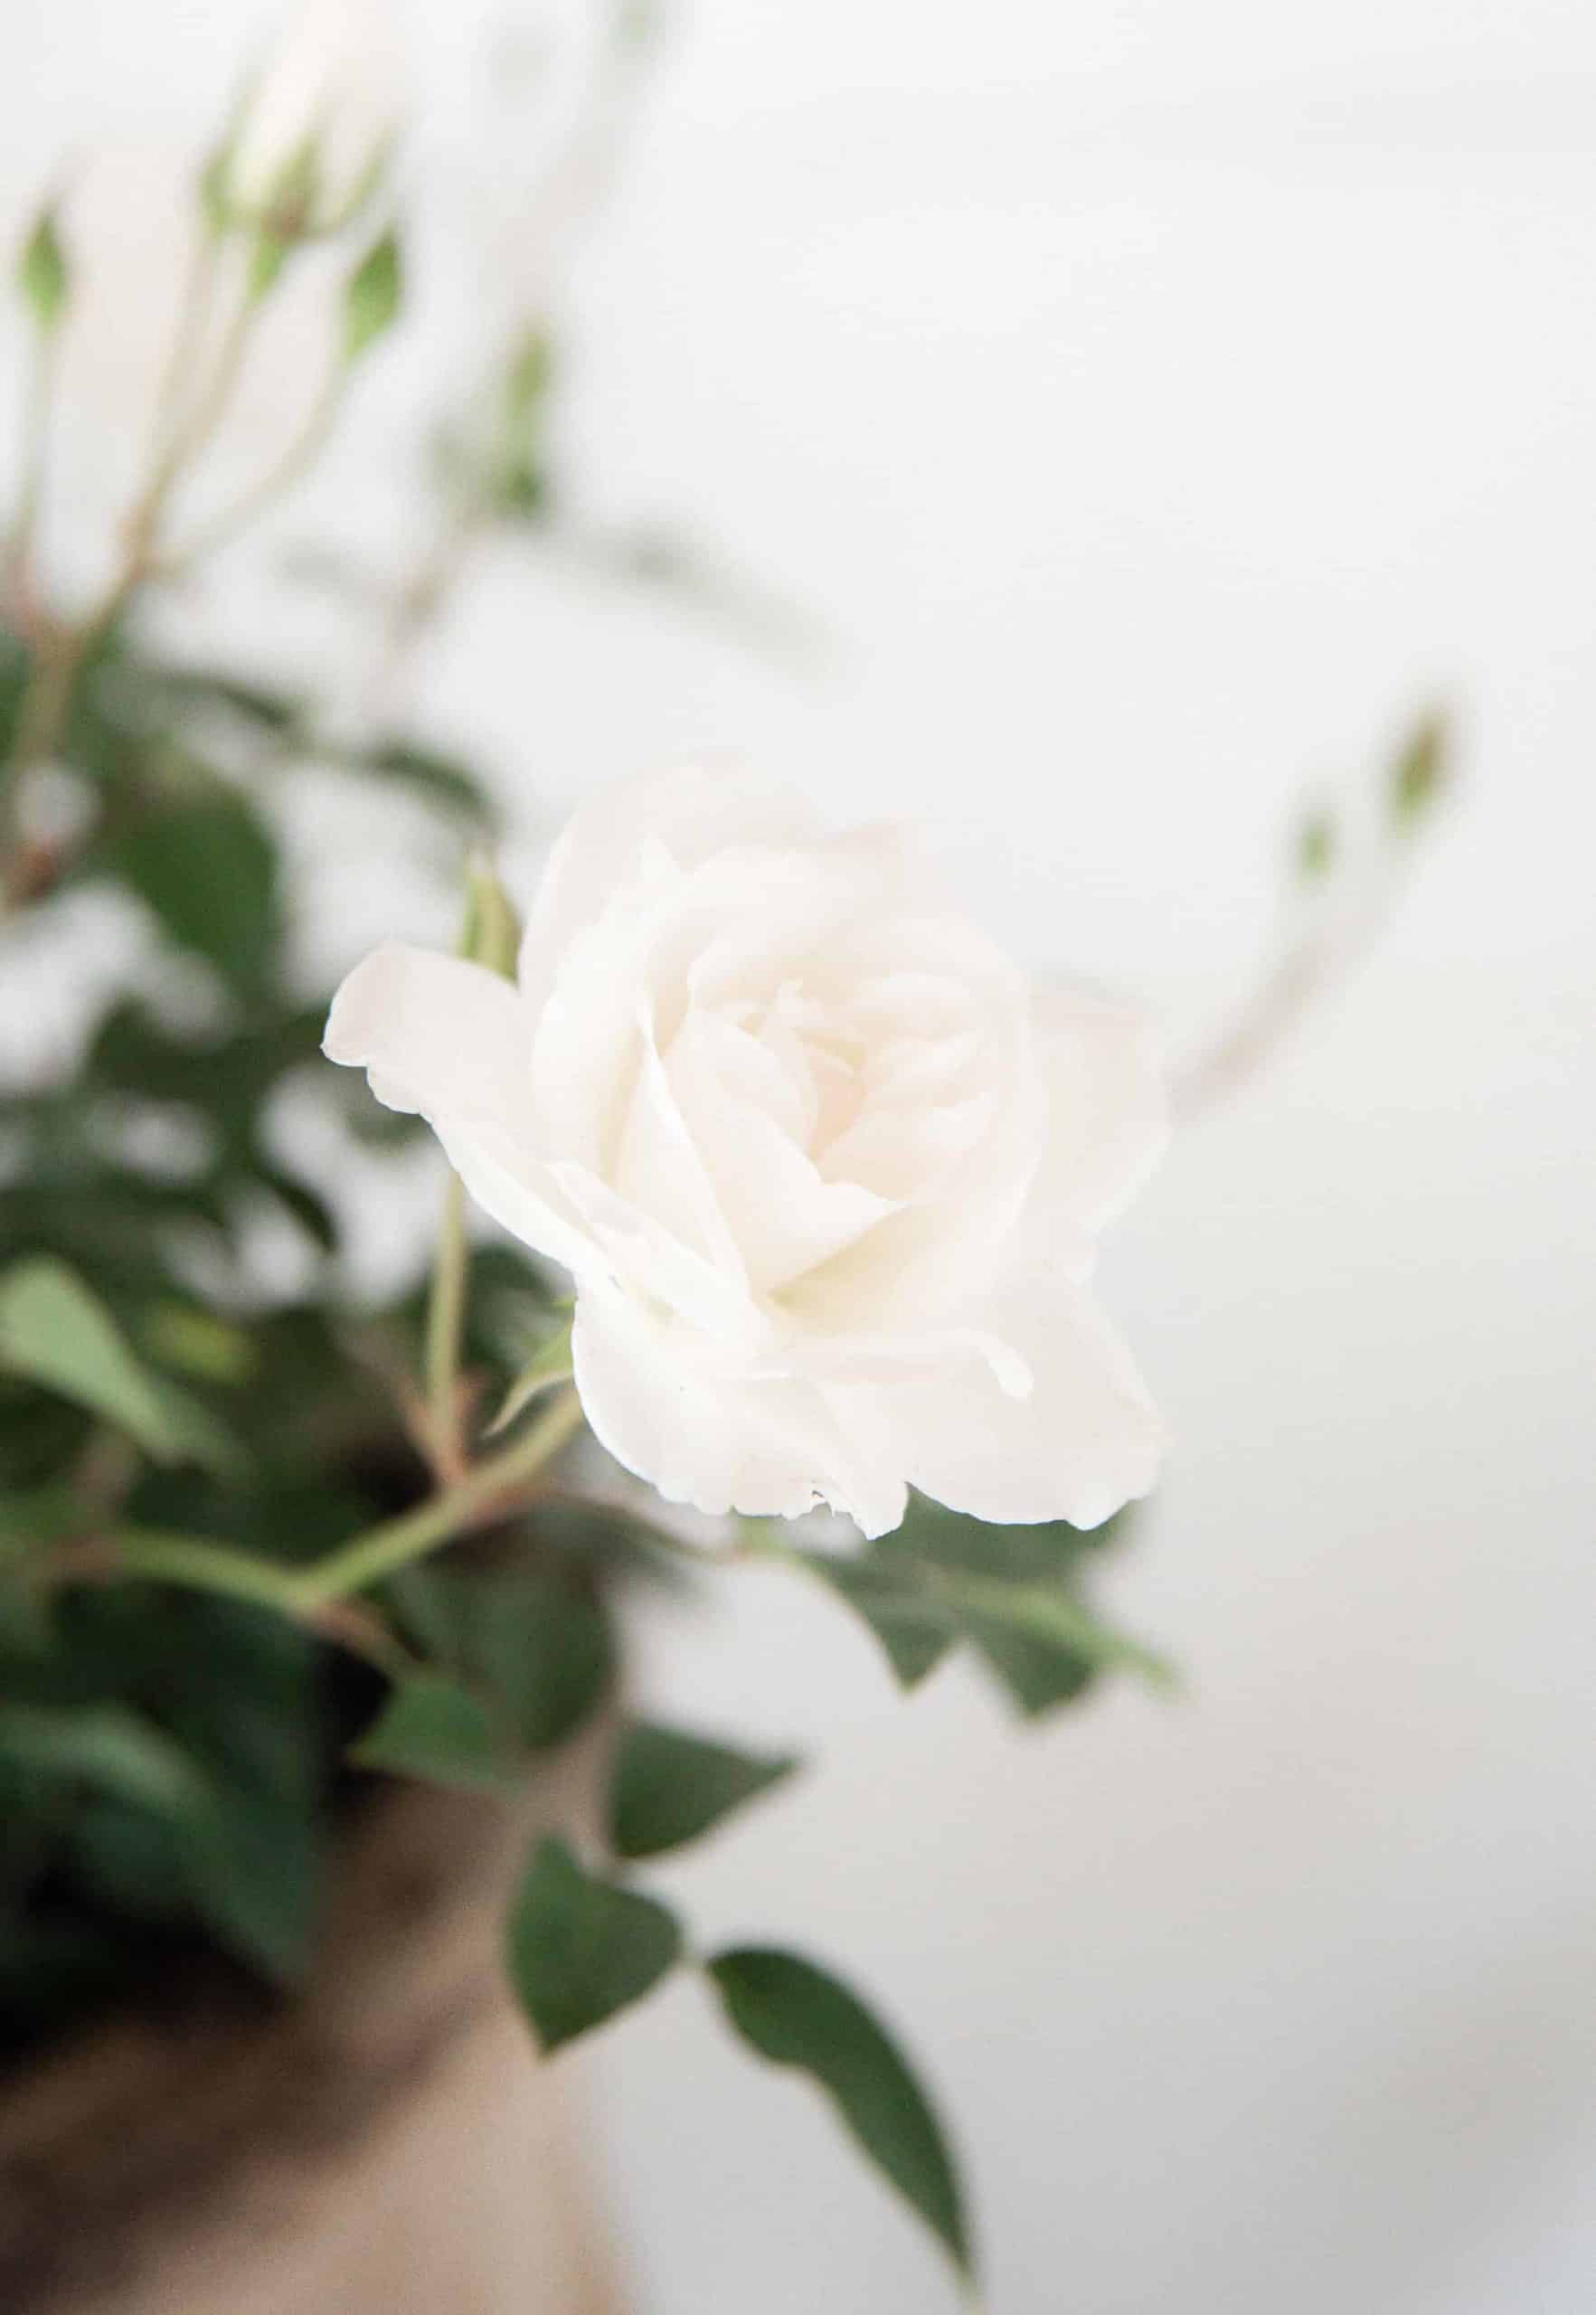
35	444
204	1567
445	1312
379	1552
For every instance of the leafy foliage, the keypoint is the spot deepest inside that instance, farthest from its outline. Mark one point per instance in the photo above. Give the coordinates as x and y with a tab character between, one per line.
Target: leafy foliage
172	1764
1017	1595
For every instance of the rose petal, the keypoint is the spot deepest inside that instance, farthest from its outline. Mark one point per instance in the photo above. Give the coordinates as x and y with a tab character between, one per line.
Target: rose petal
1108	1118
449	1041
767	1448
692	812
784	1215
1082	1443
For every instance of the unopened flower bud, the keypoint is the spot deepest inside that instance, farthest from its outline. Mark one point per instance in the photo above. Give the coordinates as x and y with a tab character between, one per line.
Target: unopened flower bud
314	133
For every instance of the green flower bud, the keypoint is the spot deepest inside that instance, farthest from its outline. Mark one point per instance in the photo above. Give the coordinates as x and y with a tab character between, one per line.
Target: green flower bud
1420	773
1315	847
43	275
372	295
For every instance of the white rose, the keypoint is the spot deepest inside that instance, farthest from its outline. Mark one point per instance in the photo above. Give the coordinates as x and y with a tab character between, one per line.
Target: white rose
318	119
826	1174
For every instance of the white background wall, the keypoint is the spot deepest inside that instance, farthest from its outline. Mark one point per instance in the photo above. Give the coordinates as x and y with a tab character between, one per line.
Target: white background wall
1157	402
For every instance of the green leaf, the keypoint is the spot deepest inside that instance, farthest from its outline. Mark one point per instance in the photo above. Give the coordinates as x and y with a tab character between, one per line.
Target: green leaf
933	1536
305	1206
1039	1675
373	296
579	1948
432	1727
550	1363
41	271
257	1877
914	1631
242	1692
207	869
109	1749
55	1332
437	780
667	1787
533	1646
1048	1615
794	2014
26	1628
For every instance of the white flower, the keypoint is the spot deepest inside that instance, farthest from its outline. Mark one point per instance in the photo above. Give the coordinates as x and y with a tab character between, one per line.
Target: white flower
827	1175
317	121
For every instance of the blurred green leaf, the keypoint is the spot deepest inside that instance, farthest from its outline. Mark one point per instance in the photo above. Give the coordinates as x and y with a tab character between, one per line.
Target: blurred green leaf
1010	1592
667	1787
109	1749
437	780
207	870
550	1363
55	1332
238	1689
580	1948
914	1631
271	713
796	2015
536	1646
432	1727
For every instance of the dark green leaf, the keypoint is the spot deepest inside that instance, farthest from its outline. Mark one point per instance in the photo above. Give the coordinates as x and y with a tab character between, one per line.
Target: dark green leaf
579	1948
431	1728
1047	1615
533	1645
794	2014
305	1205
241	1696
667	1787
207	869
437	780
272	713
935	1536
109	1749
54	1331
257	1877
915	1631
1038	1675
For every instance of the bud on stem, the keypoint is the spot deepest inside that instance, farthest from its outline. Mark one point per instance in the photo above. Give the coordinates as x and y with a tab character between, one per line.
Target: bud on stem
43	275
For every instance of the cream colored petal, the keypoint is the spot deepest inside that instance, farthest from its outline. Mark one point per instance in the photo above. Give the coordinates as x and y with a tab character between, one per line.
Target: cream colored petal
689	813
450	1041
1083	1441
1108	1118
765	1447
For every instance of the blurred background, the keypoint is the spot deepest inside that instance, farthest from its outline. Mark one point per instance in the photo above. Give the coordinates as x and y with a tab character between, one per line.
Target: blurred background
1142	410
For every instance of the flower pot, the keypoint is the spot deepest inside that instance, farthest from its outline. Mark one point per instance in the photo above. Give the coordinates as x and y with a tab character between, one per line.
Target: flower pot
388	2141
